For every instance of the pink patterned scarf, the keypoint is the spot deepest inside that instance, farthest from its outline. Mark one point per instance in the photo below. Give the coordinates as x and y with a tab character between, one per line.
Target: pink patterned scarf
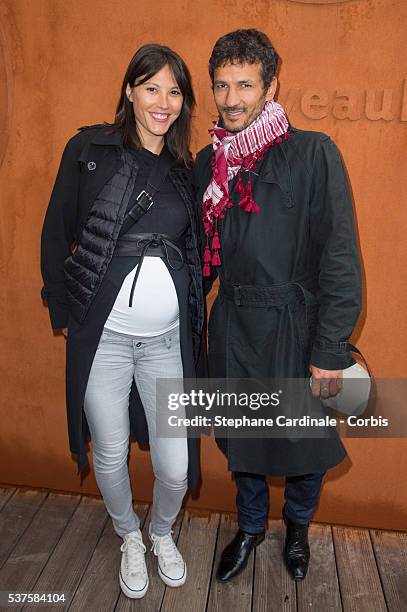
235	153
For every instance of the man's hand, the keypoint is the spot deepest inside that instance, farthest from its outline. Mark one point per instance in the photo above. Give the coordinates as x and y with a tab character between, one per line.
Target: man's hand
325	383
65	331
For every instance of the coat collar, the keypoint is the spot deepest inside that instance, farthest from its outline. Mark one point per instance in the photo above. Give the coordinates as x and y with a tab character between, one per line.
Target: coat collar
276	169
105	136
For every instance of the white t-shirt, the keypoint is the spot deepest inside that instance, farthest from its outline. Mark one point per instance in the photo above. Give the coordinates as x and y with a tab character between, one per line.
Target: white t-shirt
155	308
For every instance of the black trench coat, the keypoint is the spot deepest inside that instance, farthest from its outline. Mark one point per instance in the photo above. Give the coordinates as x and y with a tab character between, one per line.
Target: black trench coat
302	242
76	188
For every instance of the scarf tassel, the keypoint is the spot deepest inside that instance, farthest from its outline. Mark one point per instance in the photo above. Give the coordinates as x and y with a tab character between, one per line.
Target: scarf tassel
247	202
207	255
215	259
207	261
215	241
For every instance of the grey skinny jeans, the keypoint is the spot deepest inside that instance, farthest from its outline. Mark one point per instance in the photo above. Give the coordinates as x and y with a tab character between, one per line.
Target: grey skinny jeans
119	358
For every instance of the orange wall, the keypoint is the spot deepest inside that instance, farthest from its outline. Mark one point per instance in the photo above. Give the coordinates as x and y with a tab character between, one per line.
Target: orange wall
61	64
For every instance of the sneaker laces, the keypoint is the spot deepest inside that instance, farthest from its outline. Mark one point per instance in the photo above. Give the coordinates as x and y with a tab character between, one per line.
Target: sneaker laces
135	549
165	547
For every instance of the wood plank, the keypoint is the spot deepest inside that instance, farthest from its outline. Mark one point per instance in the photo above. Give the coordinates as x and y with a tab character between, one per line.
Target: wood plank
274	590
31	553
99	588
391	556
71	556
15	517
151	602
359	579
197	544
5	494
320	589
237	593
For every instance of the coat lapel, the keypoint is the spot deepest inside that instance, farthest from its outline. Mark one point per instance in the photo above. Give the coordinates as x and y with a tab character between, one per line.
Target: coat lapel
276	169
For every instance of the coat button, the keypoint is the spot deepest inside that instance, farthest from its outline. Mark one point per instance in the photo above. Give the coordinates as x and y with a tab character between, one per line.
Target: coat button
138	344
91	165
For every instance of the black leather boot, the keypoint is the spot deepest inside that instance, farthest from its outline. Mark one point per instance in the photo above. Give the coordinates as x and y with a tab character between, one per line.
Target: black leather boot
296	549
236	554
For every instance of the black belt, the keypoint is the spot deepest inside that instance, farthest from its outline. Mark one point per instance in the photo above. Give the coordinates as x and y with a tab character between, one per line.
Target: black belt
155	245
280	294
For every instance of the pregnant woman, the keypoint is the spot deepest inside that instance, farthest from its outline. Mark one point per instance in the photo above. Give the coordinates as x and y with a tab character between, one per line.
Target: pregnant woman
122	279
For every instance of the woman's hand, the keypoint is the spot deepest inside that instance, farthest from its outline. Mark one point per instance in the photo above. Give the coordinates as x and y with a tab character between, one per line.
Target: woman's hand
65	331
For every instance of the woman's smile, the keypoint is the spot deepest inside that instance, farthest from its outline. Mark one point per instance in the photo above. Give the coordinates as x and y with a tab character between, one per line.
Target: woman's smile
160	117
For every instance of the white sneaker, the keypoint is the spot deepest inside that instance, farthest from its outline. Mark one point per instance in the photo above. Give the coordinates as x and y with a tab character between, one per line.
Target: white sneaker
172	568
133	575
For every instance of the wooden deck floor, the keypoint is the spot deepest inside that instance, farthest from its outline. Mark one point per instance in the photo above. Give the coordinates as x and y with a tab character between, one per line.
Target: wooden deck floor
65	543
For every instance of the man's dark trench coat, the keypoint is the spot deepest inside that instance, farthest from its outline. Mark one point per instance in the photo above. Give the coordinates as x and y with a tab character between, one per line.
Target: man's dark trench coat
302	244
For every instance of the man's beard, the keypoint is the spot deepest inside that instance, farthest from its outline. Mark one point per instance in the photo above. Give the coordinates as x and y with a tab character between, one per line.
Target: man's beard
250	120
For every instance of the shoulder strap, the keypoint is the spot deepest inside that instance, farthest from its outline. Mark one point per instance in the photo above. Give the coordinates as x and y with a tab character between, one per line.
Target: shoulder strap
145	199
354	349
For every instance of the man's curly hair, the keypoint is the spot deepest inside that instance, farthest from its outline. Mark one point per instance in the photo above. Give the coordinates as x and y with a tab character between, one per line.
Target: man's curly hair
245	46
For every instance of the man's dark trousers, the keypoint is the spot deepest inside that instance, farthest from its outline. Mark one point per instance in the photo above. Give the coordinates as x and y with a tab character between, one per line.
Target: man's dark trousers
252	501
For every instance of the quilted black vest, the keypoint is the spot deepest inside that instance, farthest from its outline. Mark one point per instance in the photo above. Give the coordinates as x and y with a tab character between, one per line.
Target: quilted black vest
86	267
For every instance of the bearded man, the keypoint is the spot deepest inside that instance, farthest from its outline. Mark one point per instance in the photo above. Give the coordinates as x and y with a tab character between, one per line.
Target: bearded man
278	231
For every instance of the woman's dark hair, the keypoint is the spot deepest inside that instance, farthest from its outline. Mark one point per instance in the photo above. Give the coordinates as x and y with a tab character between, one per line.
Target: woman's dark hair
245	46
146	62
